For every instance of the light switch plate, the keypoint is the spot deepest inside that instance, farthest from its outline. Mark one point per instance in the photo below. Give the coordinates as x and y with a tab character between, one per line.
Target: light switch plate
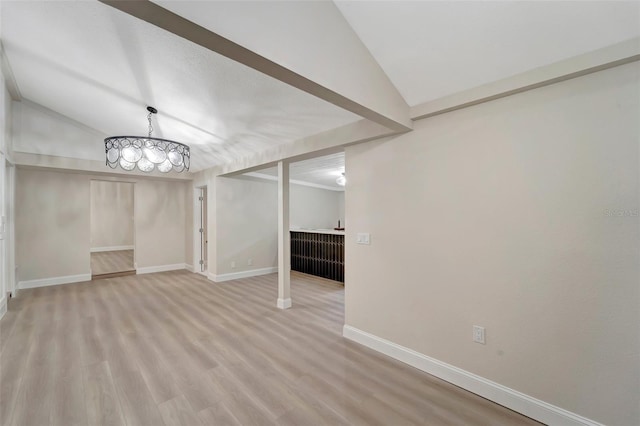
363	238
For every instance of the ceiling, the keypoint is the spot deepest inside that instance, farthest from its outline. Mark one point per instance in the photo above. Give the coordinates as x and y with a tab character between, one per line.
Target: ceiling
431	49
322	171
100	67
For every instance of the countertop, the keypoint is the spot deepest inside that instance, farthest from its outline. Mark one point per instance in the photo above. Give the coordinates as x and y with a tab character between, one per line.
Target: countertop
319	231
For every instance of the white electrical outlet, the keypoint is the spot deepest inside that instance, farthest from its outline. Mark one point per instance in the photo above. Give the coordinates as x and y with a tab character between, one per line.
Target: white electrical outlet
233	264
250	262
478	334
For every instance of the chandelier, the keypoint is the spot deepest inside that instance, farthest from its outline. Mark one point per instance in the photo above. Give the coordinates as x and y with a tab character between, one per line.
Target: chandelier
147	153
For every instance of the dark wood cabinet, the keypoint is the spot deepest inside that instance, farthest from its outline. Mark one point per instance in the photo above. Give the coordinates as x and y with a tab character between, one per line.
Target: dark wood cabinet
318	254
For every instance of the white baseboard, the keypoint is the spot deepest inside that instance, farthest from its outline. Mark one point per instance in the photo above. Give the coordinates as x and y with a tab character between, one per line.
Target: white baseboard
284	303
44	282
189	268
517	401
162	268
3	306
243	274
112	248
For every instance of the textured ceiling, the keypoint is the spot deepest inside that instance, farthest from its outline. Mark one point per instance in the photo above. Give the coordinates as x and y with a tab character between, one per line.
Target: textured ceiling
319	171
430	49
101	67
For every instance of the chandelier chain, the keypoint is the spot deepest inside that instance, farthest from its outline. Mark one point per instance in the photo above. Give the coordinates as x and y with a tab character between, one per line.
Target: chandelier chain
150	126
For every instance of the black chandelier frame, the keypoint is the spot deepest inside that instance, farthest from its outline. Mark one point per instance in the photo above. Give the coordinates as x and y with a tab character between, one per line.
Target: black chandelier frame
158	146
147	153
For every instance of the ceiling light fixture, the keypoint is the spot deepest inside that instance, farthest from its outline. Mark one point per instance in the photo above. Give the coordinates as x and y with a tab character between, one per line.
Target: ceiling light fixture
342	180
147	153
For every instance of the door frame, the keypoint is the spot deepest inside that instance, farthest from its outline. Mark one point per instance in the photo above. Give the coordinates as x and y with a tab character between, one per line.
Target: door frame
133	218
200	207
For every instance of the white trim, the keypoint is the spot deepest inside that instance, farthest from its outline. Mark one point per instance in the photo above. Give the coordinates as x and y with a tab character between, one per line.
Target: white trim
517	401
295	182
45	282
3	306
27	160
112	248
9	79
196	226
387	108
16	284
189	268
243	274
577	66
161	268
318	231
284	303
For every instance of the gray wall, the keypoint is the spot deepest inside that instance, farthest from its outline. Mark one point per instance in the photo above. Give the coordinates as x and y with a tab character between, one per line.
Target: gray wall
53	223
246	224
519	215
111	214
314	207
162	215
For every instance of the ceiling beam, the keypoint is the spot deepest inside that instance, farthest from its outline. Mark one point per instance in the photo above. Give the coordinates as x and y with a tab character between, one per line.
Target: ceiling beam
365	91
9	78
597	60
325	143
25	160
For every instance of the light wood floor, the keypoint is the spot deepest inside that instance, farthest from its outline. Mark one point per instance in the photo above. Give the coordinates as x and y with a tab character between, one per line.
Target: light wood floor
174	348
108	262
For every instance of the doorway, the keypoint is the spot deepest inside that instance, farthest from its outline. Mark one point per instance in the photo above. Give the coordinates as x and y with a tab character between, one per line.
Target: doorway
112	229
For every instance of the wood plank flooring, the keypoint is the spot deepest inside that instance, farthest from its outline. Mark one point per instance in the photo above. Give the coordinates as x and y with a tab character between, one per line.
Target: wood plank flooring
176	349
108	262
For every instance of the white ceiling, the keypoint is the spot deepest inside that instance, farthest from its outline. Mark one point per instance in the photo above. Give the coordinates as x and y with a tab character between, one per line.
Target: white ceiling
430	49
101	67
317	171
